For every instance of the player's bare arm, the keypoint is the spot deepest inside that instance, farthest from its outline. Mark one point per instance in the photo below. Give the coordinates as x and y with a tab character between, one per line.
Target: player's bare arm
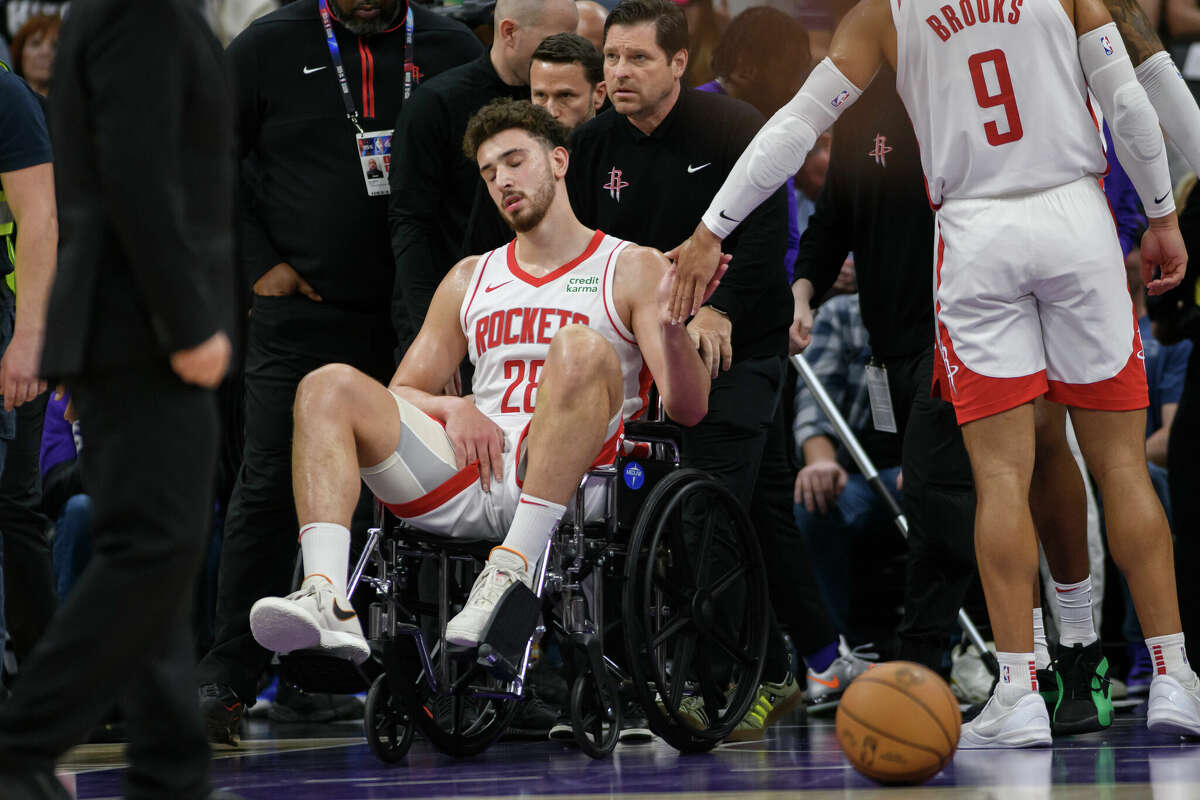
1135	29
640	289
864	40
430	364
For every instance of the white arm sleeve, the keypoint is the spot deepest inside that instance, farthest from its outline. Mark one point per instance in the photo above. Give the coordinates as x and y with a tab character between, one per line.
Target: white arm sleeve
1134	124
778	150
1171	98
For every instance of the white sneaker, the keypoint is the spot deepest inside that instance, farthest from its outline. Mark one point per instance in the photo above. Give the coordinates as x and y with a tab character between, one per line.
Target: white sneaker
970	679
1173	707
314	618
1024	723
502	570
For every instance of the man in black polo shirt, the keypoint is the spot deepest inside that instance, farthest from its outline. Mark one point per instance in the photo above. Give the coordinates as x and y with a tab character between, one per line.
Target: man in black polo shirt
440	210
641	171
316	253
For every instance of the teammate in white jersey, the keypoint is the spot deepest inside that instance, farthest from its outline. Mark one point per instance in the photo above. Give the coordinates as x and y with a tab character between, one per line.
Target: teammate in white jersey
1031	298
563	326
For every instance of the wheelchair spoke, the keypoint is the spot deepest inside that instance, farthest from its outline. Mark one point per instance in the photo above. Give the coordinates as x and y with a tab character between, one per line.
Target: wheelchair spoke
723	640
671	590
685	650
673	627
705	545
726	580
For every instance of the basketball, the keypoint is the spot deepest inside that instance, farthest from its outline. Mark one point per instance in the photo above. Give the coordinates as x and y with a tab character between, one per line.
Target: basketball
898	723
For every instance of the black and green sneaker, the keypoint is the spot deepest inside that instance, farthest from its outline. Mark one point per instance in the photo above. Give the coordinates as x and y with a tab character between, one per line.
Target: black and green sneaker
1084	695
1048	688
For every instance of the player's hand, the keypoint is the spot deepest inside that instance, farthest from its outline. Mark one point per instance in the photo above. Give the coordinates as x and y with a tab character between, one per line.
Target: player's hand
800	334
819	484
19	381
1163	251
205	364
476	438
282	280
666	287
712	334
696	262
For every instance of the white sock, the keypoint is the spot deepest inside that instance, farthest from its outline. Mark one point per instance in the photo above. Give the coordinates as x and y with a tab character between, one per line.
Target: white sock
326	549
1170	657
531	527
1018	673
1041	648
1176	108
1075	612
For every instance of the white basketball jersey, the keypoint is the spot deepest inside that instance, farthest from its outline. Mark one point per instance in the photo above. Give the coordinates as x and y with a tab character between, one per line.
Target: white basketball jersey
510	316
996	95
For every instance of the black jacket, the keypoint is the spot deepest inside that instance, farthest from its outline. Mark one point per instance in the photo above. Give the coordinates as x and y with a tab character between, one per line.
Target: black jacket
874	204
144	171
653	189
440	210
308	204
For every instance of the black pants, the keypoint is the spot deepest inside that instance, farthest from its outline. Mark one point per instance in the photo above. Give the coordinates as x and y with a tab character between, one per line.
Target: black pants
29	596
743	443
939	503
123	635
288	338
1183	475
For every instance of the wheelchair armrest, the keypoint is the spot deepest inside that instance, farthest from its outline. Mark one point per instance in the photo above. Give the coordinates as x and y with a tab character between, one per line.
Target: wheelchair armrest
665	431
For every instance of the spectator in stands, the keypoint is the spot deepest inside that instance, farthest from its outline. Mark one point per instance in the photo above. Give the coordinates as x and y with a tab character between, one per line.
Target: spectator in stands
440	210
316	255
762	58
28	241
705	25
835	506
15	13
63	496
567	78
644	170
591	22
33	50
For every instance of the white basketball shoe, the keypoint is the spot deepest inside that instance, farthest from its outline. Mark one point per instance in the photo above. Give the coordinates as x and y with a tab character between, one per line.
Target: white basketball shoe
314	618
1174	707
1021	722
503	569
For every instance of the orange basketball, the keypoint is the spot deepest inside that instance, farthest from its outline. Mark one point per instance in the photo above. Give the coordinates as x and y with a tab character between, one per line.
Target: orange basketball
898	723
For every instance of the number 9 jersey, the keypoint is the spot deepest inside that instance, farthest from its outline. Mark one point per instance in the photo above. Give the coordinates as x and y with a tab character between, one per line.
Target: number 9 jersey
996	95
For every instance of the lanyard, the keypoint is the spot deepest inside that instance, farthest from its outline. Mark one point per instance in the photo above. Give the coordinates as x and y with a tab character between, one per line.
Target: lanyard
335	55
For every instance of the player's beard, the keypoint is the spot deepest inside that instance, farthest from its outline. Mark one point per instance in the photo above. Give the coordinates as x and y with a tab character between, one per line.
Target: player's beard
535	209
388	11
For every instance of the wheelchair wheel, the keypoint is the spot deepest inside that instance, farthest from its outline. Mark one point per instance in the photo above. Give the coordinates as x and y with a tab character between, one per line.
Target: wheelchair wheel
461	721
695	610
595	715
388	725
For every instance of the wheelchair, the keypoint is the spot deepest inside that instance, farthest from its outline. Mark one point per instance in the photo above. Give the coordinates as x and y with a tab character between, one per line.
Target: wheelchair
671	578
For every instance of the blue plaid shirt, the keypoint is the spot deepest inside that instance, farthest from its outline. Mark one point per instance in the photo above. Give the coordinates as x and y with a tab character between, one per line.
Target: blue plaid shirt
838	355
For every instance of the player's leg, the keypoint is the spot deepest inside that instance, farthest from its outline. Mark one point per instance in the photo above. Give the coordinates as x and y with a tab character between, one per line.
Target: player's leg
1001	448
579	395
344	420
1077	690
1139	538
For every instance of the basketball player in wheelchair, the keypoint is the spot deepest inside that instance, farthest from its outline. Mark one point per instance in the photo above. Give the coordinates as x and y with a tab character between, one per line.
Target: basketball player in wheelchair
565	327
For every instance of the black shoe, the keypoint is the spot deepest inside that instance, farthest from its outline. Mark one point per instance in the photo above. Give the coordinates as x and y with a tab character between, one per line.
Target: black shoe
294	705
561	731
1048	688
533	720
1084	695
34	785
222	712
634	727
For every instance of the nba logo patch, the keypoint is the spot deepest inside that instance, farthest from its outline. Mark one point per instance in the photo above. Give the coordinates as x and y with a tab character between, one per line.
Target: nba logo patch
842	97
1006	677
1107	45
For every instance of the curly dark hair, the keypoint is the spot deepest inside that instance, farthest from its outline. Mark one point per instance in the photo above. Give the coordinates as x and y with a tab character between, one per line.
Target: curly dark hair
505	114
765	37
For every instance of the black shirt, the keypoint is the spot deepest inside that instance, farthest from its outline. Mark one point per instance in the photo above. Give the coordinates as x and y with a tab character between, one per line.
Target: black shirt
874	203
440	210
308	203
653	190
24	142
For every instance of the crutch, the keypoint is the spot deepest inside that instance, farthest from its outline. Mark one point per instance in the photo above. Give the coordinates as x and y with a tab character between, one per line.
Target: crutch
872	475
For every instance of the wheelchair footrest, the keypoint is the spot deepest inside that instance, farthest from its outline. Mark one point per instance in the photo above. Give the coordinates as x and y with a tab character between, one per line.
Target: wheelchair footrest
312	671
502	646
